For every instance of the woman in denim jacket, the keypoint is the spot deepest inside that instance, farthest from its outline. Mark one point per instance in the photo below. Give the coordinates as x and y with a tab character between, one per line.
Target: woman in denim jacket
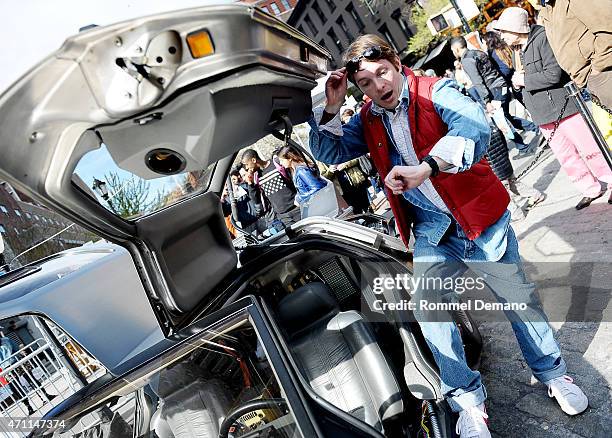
305	177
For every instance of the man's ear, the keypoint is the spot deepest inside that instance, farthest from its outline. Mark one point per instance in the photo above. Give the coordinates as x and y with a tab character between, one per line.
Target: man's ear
397	63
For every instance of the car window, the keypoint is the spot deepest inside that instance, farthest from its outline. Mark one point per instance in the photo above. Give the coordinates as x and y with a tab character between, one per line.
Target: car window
219	383
40	366
128	195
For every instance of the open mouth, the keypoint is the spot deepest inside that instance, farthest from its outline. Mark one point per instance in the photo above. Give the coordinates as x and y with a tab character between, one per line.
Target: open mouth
387	96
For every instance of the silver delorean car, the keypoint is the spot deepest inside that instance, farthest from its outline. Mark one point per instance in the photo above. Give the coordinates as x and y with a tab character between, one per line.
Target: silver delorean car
280	339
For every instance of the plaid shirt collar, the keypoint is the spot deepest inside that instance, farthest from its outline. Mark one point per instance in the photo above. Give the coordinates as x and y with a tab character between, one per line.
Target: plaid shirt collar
403	102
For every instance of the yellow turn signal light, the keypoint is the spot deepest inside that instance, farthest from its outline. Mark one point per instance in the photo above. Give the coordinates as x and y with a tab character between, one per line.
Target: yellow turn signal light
200	44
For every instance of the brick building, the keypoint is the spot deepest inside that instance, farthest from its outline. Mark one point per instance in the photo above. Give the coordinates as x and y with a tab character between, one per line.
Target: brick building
280	8
24	223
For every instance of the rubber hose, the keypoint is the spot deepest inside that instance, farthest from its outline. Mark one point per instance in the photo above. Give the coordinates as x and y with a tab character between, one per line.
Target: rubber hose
433	419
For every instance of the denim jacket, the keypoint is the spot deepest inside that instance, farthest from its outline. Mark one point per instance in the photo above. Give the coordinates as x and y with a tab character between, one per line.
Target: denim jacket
306	183
466	121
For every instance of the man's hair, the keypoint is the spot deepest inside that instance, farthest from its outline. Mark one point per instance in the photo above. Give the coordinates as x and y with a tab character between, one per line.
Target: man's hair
249	154
364	42
459	41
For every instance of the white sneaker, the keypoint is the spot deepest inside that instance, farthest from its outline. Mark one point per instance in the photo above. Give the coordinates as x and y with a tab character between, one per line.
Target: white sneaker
472	423
571	398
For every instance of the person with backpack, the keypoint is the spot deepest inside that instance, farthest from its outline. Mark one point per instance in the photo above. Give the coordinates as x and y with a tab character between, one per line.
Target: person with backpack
247	208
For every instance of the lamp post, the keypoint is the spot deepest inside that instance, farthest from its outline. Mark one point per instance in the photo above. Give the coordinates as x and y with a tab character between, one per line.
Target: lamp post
575	94
100	188
464	22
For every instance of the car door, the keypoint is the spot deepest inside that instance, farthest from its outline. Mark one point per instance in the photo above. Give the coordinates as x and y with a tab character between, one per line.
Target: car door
223	376
168	99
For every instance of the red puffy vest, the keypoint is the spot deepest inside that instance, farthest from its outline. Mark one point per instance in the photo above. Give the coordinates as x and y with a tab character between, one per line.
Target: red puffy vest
476	197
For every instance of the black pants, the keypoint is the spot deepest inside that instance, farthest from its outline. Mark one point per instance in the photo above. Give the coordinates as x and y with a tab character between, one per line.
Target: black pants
289	217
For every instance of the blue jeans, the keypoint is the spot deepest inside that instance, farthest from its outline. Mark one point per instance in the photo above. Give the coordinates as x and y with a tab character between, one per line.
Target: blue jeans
506	279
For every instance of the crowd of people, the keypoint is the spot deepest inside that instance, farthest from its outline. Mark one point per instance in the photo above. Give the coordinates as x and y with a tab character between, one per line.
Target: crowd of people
519	62
270	195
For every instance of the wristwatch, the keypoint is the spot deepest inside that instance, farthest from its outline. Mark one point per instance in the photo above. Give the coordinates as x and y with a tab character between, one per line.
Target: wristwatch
435	169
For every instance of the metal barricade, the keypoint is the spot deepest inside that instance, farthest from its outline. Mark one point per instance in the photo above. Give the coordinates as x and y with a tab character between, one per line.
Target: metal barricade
32	381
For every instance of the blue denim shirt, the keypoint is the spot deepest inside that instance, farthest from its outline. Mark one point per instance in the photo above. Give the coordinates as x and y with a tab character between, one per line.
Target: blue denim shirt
464	118
306	183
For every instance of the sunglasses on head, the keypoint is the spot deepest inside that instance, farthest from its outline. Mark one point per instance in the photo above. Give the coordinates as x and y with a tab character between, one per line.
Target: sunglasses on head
371	54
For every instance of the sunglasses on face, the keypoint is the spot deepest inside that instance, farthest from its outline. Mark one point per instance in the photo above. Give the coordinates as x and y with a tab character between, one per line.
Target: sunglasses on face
371	54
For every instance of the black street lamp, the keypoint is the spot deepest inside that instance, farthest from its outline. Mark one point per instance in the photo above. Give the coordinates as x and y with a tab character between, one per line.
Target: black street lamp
100	188
464	22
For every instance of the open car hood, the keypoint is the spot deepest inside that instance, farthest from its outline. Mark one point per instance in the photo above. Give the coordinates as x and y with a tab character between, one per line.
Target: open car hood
199	84
136	86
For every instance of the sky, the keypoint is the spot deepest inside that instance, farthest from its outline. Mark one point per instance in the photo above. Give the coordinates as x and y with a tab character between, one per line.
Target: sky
33	29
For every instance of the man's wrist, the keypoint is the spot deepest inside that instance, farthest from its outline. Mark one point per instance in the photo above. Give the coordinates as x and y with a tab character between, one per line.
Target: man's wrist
332	109
425	169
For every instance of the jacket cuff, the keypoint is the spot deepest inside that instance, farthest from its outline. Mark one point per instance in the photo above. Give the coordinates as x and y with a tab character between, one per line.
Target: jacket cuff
452	149
334	126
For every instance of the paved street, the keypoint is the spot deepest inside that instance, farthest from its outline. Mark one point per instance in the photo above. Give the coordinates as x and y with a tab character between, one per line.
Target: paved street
566	252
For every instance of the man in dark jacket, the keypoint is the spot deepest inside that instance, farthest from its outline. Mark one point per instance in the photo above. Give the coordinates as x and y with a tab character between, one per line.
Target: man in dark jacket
248	207
545	96
275	185
484	76
491	86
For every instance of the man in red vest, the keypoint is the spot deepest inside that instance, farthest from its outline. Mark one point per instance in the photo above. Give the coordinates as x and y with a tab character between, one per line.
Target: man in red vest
427	141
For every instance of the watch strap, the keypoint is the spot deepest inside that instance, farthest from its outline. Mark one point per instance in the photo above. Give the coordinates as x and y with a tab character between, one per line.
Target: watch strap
435	169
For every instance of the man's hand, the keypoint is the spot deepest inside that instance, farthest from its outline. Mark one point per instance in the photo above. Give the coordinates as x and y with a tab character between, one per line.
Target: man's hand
403	178
518	80
335	90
